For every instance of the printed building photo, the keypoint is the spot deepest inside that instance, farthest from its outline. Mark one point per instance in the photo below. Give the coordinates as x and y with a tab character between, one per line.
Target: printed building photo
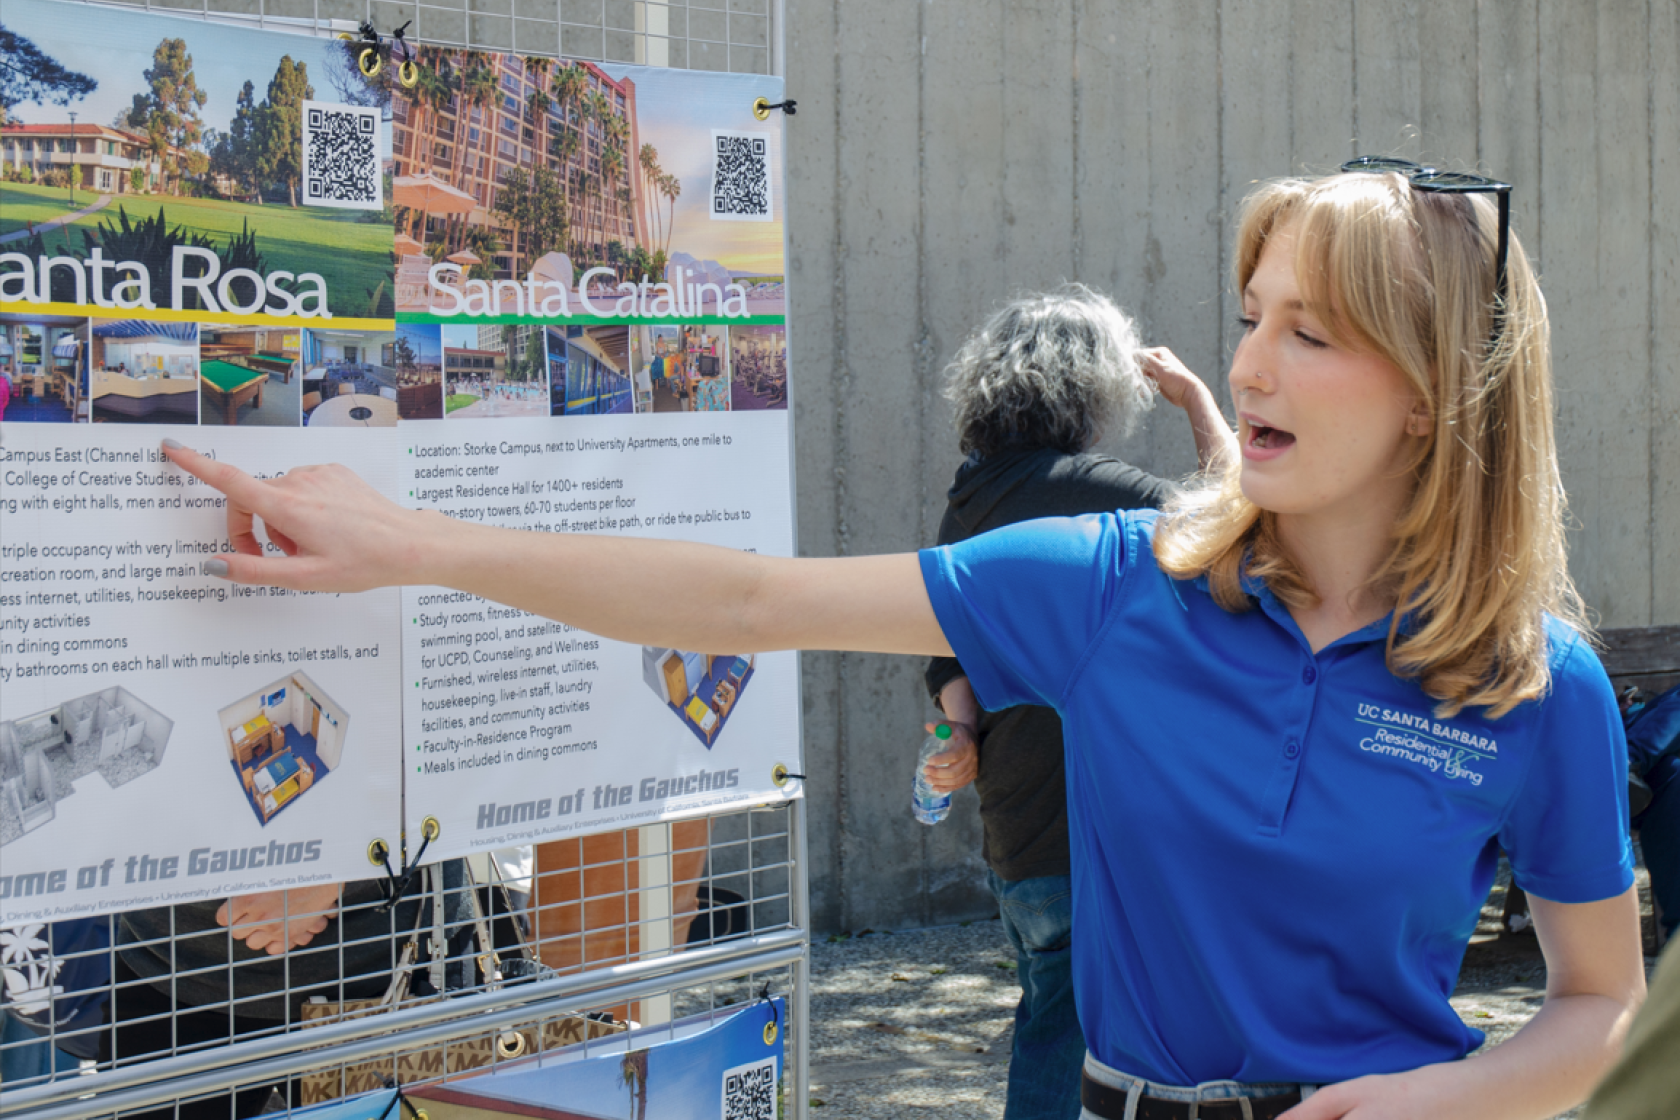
552	168
526	156
43	755
494	370
148	134
281	741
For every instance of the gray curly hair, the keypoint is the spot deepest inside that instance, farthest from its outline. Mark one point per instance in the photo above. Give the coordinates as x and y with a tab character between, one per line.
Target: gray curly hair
1053	369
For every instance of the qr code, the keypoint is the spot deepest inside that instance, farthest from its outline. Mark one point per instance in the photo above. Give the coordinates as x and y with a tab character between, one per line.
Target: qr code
749	1091
741	177
341	156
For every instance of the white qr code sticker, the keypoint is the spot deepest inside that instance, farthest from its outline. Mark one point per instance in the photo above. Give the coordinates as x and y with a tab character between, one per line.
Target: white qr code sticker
341	165
749	1091
741	177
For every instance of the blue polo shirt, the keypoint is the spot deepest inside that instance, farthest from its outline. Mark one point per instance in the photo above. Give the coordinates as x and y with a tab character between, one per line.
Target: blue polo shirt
1278	857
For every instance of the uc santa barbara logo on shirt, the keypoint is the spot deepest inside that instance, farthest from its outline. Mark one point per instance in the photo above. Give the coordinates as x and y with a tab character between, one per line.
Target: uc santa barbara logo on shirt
1417	739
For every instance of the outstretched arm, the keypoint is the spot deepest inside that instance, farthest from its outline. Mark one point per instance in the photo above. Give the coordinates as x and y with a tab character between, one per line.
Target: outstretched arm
339	534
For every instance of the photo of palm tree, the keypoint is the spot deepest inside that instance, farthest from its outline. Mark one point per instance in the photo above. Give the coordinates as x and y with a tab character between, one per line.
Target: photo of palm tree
509	166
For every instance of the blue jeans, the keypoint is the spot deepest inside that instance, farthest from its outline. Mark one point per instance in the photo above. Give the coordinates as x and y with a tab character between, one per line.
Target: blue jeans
1049	1046
26	1058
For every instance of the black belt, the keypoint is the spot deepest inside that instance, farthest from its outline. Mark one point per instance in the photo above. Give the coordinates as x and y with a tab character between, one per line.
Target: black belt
1110	1104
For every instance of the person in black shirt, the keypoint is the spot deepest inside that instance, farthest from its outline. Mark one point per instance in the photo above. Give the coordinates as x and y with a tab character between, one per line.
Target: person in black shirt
203	974
1034	389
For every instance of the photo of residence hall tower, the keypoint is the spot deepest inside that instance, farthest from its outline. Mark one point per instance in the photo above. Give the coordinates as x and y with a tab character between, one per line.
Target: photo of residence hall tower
517	159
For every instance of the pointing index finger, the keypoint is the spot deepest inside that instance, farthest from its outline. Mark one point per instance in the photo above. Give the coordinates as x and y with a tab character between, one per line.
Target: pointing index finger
229	479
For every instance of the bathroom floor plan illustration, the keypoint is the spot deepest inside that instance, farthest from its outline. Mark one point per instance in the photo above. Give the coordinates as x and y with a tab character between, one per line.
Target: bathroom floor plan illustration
701	688
281	741
42	756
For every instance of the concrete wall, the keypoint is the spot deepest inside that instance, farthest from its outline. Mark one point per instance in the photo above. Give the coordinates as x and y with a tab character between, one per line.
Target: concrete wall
950	153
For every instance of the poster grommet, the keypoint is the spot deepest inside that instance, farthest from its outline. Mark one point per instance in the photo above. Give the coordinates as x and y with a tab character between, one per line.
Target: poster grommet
761	107
378	852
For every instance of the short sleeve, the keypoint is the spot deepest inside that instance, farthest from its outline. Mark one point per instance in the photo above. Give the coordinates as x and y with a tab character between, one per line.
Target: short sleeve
1567	831
1022	605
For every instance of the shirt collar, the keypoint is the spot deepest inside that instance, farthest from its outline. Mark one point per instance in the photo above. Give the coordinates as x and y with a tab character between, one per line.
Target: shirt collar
1258	590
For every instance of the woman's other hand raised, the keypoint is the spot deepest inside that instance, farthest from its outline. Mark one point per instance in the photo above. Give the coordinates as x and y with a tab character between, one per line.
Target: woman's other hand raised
1216	445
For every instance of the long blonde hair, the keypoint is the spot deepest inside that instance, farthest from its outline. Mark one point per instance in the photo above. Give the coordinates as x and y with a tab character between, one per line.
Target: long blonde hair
1477	556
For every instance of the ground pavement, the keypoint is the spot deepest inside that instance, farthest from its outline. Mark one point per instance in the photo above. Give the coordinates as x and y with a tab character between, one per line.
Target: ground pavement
918	1022
103	201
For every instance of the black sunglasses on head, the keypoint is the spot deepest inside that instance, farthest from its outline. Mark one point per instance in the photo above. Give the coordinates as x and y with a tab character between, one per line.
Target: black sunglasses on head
1429	179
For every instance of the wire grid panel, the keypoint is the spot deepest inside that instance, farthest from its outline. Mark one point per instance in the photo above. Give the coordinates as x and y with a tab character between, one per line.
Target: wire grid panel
180	983
542	1029
596	1027
469	1045
738	36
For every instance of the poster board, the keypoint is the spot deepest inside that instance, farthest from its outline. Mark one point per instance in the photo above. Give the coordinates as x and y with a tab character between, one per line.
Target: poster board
550	298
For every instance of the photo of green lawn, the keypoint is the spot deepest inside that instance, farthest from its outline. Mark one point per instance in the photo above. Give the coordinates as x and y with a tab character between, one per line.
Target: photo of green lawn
25	206
356	267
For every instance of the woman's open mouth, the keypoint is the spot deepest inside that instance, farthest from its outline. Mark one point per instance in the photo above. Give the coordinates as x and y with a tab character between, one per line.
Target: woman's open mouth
1265	441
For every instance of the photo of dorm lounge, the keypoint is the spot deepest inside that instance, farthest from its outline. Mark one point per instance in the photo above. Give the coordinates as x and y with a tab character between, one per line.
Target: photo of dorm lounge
758	368
686	370
43	367
589	369
281	741
42	756
249	376
348	379
144	373
700	688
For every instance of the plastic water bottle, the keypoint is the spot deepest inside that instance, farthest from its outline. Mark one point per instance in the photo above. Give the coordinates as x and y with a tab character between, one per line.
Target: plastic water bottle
926	805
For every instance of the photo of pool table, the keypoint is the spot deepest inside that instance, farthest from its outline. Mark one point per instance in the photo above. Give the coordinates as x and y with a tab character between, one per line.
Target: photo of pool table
272	361
227	386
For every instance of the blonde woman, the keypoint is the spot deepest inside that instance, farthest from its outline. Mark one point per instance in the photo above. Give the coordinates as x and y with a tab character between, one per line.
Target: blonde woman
1304	708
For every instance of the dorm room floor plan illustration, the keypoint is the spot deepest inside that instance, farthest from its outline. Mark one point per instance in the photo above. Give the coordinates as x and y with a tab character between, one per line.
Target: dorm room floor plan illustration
281	740
42	756
701	688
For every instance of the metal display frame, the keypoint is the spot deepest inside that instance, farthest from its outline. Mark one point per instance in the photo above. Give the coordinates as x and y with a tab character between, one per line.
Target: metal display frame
722	35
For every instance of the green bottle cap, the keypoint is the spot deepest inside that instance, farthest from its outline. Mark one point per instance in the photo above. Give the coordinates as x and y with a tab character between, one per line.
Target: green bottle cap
943	731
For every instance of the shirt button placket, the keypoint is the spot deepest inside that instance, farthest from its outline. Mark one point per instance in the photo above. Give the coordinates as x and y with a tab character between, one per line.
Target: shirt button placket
1275	801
